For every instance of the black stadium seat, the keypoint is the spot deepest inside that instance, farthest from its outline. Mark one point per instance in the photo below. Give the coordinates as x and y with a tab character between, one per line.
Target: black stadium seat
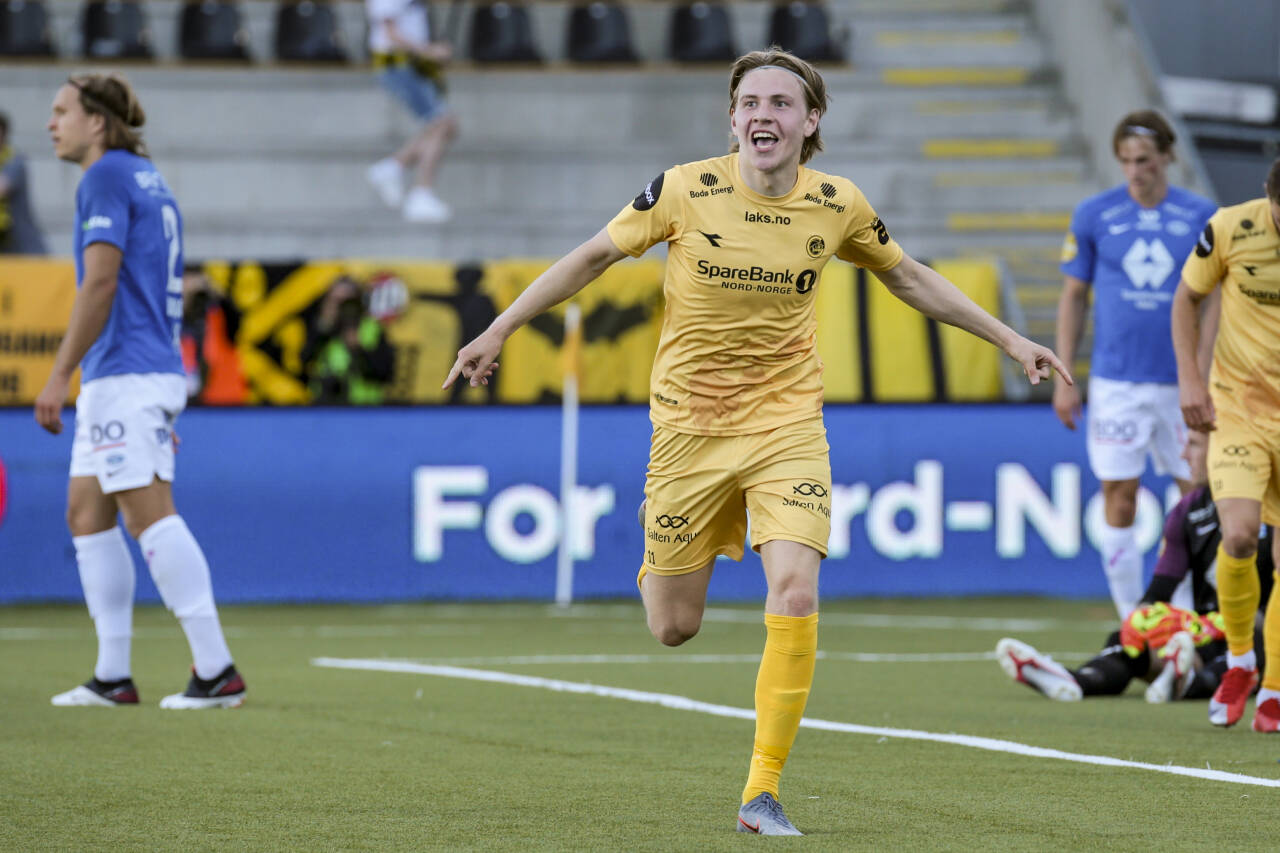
804	29
700	32
502	32
307	31
24	29
600	32
211	29
115	29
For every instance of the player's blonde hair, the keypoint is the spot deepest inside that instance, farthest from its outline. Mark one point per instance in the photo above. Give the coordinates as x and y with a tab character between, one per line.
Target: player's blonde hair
111	96
815	89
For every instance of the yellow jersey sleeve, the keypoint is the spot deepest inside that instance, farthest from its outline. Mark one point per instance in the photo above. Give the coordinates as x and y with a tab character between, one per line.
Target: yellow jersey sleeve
652	217
1207	263
867	242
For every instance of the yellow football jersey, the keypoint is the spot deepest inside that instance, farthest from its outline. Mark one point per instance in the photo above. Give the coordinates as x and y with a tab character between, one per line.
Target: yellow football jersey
738	352
1241	249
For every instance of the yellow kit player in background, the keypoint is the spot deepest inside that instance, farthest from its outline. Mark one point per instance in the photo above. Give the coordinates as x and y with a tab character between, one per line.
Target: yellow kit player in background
1240	248
736	388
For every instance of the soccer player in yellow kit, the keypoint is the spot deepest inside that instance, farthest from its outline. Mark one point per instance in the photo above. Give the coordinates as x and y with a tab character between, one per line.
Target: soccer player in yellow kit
736	388
1240	408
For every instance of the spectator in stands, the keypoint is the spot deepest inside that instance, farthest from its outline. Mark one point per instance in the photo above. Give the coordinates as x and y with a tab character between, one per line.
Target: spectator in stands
348	358
1128	244
409	65
209	356
736	383
19	233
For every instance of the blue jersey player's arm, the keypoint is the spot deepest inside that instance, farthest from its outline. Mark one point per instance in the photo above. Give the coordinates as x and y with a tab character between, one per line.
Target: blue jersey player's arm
1078	256
88	315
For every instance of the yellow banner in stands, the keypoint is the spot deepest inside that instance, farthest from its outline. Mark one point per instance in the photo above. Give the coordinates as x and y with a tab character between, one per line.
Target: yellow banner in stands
36	295
250	335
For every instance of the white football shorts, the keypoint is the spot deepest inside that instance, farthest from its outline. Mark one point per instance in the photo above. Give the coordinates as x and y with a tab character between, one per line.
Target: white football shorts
124	429
1128	421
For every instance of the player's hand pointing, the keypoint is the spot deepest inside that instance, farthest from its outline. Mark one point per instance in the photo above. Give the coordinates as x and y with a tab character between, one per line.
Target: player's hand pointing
1038	362
476	360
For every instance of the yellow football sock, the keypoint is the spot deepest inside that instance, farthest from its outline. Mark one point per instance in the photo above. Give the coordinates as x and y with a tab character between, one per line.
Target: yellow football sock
782	688
1271	641
1238	592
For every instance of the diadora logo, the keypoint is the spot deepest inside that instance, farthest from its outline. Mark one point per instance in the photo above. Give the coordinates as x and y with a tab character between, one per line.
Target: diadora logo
816	246
827	190
708	179
96	222
1250	269
1147	264
671	522
814	490
713	239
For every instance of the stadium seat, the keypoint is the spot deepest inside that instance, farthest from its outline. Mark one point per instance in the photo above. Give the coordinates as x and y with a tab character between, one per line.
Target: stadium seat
24	29
307	31
803	28
600	32
211	29
700	32
115	29
502	32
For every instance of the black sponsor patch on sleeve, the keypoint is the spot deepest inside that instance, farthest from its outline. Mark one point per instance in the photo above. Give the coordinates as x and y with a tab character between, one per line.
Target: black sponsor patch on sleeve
1204	246
649	197
882	233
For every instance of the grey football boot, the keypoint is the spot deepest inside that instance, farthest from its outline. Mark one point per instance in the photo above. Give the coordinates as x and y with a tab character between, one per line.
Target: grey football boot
763	816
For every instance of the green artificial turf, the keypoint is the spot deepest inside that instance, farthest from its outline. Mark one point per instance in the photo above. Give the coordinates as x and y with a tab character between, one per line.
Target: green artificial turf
335	759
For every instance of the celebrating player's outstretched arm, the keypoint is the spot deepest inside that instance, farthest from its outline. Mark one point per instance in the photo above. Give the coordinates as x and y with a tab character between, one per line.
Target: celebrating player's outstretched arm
476	361
928	292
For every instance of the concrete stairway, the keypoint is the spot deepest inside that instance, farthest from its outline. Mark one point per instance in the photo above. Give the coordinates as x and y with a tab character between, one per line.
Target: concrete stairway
950	119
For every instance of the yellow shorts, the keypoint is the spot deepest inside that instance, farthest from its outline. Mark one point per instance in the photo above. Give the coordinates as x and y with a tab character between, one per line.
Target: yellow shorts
1244	462
701	487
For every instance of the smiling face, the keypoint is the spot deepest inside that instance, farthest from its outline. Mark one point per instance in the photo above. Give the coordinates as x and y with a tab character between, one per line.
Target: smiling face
770	119
74	132
1145	168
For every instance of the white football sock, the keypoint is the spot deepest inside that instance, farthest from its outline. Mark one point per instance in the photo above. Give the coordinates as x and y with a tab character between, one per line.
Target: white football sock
1264	694
1248	660
108	579
1122	564
181	574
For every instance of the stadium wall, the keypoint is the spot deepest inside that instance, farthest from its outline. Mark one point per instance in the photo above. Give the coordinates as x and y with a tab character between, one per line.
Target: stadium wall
451	503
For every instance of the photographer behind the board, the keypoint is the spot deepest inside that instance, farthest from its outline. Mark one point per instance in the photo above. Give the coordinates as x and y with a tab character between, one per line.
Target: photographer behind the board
347	357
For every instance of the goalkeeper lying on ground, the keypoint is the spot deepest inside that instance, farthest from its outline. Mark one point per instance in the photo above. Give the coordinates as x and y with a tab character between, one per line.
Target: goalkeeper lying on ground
1182	652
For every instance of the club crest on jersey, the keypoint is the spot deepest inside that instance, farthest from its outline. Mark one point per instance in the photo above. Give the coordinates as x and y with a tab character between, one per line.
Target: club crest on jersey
649	197
1069	248
816	246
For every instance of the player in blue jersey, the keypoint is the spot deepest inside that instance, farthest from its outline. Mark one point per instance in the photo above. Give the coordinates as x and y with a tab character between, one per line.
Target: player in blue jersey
1127	244
123	334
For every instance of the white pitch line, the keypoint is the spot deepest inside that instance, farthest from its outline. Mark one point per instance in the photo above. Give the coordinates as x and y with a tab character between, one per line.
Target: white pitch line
855	657
684	703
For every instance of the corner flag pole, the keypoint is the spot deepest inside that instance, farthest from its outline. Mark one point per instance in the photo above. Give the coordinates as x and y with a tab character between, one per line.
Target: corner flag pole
572	355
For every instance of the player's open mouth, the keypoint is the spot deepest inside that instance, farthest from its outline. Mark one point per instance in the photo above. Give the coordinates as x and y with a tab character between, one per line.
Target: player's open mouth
763	140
